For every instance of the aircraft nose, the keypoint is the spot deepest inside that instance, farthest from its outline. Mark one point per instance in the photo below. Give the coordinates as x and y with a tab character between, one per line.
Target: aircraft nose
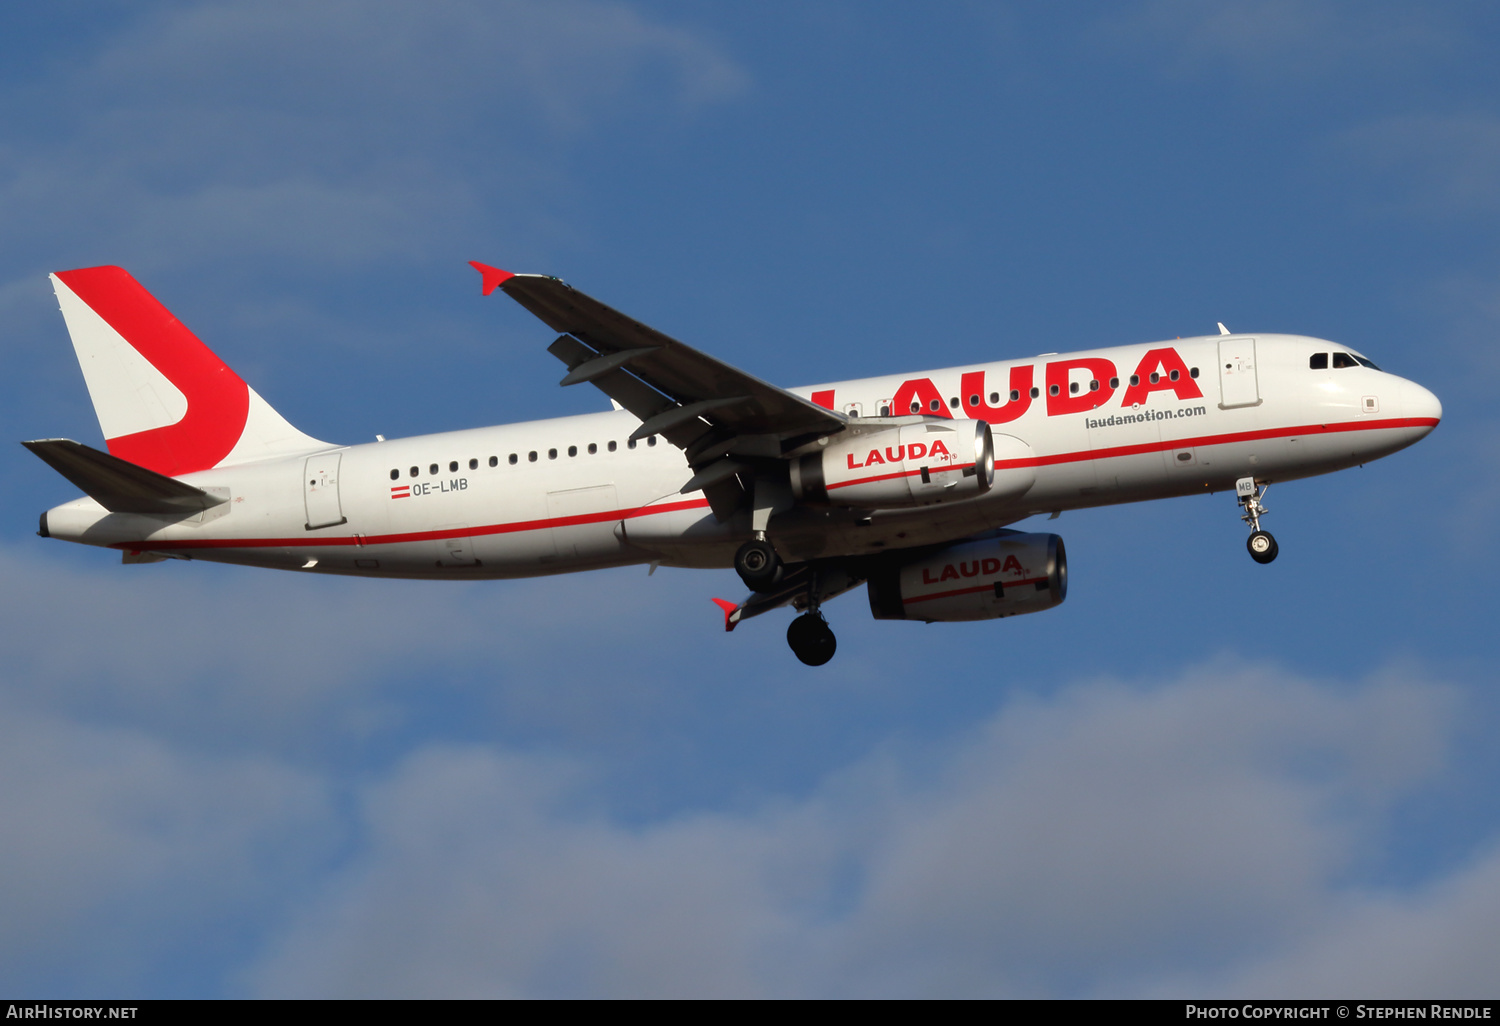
1421	405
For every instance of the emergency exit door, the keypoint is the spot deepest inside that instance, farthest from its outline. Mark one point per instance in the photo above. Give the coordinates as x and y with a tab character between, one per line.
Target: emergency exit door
320	487
1238	382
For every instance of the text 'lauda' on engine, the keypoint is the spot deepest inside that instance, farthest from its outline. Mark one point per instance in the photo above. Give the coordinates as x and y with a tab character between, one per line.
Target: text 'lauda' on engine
911	464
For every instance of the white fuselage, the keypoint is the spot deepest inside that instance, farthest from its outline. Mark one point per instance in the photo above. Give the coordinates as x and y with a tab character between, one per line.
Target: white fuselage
569	494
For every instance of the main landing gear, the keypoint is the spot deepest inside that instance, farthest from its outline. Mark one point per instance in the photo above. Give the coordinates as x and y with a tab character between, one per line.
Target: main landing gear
809	635
1262	546
758	565
811	638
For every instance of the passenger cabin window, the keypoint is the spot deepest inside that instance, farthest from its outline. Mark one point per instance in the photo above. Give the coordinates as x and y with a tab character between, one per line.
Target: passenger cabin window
651	440
1318	361
495	460
453	467
593	448
1343	360
414	471
432	469
612	446
552	454
474	464
531	456
572	450
395	475
513	459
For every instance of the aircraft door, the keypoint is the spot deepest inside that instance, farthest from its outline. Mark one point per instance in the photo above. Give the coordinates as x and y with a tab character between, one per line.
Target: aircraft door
320	489
1238	384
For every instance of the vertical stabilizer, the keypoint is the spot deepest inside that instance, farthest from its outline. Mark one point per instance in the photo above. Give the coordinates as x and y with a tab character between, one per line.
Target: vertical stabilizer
164	400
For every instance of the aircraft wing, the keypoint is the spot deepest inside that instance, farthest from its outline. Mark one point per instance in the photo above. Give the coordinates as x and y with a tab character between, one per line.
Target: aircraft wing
713	411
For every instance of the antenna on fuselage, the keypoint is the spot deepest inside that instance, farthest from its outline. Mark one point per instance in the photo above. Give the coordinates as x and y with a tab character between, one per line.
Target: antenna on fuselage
1223	330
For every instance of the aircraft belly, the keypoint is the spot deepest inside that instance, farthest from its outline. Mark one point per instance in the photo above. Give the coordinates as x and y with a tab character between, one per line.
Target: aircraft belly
1128	455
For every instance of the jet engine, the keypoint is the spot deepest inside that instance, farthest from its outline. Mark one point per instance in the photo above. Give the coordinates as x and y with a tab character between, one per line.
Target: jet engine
1006	575
915	464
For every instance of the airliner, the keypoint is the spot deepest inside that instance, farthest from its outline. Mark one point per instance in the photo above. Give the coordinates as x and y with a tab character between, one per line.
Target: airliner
906	484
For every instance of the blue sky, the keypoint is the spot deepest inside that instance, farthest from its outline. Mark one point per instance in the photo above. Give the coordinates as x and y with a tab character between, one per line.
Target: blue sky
1198	776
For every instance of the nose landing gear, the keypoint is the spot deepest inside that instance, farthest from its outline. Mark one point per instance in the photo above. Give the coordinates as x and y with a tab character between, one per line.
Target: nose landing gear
1262	546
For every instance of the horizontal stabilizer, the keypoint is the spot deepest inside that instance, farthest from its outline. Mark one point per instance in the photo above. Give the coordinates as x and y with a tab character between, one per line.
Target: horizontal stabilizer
118	485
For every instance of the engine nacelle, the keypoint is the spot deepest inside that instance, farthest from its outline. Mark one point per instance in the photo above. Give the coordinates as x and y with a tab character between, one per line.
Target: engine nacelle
980	580
904	465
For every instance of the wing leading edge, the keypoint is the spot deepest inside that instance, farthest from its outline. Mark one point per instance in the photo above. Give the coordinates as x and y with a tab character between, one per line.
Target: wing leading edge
722	418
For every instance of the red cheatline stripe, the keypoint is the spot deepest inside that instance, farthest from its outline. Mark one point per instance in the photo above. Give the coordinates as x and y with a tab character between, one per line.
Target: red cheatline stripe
1224	439
899	473
594	518
1179	443
969	591
396	539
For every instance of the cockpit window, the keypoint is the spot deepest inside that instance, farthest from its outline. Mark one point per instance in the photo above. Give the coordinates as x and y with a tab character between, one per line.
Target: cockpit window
1342	360
1318	361
1365	363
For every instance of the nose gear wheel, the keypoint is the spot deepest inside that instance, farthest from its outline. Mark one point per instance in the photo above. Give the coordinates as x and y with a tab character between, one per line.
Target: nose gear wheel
1262	546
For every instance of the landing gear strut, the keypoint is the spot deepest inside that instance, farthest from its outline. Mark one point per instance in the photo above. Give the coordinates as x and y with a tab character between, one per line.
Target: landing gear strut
809	635
1262	546
758	565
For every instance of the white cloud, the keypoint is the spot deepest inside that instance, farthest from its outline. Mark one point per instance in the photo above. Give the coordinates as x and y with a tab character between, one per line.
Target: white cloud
1443	939
119	849
342	132
281	659
1093	844
1183	837
1272	44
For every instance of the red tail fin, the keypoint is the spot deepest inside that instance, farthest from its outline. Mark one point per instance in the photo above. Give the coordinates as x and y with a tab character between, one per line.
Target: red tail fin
164	400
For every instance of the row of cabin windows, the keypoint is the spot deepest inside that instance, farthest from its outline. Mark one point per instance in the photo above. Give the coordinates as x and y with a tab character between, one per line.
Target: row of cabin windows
1319	361
885	411
514	458
1015	394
